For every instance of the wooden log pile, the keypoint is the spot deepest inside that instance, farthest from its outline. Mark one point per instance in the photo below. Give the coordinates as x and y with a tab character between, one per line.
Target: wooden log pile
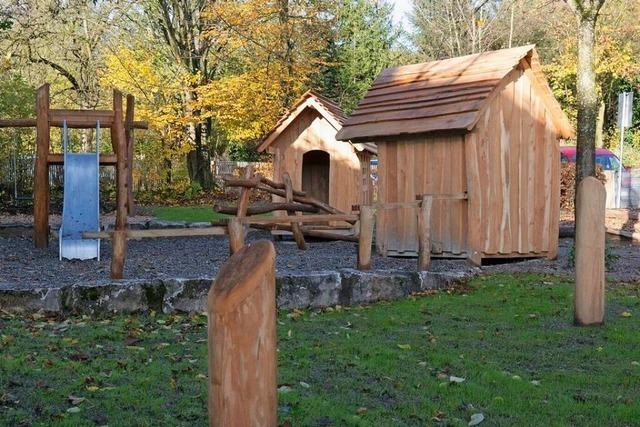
295	203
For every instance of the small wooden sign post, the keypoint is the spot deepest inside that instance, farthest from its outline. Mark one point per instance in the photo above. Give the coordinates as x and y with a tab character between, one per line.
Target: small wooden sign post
242	340
367	221
589	252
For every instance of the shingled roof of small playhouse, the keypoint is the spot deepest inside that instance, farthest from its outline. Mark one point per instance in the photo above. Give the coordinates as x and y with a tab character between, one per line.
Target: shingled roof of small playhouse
324	106
445	95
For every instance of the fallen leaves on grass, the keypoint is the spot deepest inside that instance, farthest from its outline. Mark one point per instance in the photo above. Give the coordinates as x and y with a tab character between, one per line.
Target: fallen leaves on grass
404	346
73	410
626	314
458	380
76	400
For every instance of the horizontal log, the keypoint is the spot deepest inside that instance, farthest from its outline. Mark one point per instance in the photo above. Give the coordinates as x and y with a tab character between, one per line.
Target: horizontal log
170	232
58	159
266	208
623	233
86	124
280	186
450	196
321	234
234	181
300	219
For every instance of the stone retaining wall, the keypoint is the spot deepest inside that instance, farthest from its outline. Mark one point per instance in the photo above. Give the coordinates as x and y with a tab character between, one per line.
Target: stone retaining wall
310	290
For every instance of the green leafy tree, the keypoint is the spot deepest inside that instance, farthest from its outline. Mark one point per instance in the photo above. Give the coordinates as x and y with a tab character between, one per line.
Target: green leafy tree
363	45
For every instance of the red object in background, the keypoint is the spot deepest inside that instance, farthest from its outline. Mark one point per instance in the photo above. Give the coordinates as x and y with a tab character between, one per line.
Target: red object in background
605	158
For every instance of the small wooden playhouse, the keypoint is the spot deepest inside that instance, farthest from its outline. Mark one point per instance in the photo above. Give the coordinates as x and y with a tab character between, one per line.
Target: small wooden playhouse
479	133
303	143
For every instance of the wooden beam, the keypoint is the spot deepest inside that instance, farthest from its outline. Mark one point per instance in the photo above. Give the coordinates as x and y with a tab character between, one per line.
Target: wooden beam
589	252
120	148
295	226
171	232
88	124
242	353
245	193
266	208
128	135
300	219
236	235
105	159
367	220
424	233
41	174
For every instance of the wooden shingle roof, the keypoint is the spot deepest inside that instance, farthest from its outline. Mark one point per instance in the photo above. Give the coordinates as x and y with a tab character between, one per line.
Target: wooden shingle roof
445	95
323	105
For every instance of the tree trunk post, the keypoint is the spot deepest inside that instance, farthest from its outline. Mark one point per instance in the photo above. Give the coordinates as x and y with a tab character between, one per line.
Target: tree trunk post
424	233
589	252
242	356
295	226
128	130
367	220
236	235
41	173
245	194
120	146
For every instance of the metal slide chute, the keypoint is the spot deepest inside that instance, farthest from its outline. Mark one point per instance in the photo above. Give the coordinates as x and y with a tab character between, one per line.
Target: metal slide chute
81	202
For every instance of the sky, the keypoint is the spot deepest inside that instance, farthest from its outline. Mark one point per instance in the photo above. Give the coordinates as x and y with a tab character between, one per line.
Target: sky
400	9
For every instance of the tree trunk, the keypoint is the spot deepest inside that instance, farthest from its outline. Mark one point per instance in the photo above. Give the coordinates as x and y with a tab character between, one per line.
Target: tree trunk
588	104
600	126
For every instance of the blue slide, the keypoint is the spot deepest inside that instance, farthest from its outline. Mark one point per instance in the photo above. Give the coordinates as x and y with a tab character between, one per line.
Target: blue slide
81	202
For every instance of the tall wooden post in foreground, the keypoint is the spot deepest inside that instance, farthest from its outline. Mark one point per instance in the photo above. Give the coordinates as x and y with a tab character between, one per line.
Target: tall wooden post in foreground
242	340
41	175
589	252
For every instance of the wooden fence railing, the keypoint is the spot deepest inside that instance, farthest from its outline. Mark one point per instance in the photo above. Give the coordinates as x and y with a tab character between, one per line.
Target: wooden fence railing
242	340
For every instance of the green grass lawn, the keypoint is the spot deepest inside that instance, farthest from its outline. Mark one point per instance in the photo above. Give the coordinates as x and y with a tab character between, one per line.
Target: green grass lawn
187	213
510	338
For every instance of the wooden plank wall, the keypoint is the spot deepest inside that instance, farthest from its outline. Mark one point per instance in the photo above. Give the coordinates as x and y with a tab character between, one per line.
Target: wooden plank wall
310	131
513	166
419	165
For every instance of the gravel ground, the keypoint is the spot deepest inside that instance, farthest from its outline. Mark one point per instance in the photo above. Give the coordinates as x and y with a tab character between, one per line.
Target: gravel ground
191	257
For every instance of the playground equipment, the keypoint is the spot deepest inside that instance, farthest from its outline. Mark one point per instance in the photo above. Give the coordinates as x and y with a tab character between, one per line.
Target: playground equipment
122	141
81	201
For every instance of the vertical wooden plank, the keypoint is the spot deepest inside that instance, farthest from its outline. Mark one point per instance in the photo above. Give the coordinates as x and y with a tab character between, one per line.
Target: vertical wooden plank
548	157
525	150
453	185
367	219
242	356
120	144
590	244
41	172
514	165
391	221
473	221
424	238
129	132
381	229
539	180
495	182
506	136
484	190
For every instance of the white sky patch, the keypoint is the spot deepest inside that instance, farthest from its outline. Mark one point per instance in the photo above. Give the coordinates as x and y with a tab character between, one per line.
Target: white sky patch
401	9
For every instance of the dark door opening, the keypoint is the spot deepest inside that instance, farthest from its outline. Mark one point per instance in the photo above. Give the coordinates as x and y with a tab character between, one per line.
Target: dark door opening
315	174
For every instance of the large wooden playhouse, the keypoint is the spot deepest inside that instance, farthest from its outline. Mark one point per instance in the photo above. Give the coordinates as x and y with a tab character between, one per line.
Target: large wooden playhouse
480	133
303	143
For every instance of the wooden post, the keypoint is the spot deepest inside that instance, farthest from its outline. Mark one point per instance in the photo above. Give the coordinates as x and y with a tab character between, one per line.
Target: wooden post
242	356
119	143
367	219
589	252
295	226
41	173
128	131
424	233
119	245
245	193
236	235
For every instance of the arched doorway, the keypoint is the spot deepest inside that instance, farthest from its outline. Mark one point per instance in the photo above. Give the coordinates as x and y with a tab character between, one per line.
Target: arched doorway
315	174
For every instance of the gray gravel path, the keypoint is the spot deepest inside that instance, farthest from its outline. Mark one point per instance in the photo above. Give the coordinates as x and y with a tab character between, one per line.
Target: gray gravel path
192	257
